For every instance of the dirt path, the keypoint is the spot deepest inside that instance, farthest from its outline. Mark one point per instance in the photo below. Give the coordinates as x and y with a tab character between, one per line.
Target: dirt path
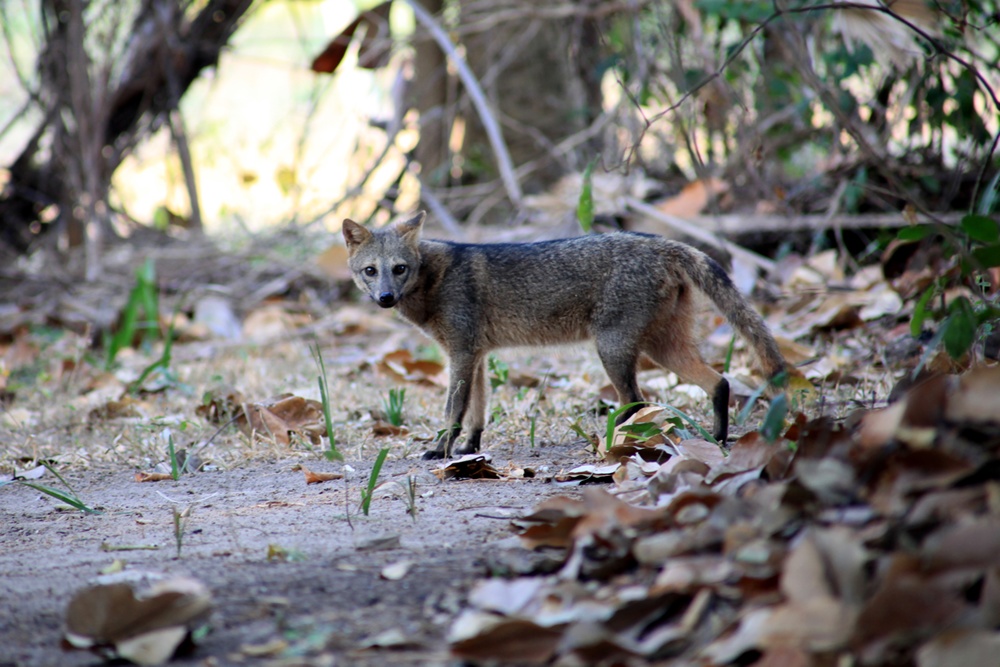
327	599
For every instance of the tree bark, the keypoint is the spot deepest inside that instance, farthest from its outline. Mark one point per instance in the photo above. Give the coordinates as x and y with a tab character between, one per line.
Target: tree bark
92	120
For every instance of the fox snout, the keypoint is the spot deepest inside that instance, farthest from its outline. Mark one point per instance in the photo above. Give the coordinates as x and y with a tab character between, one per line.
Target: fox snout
386	299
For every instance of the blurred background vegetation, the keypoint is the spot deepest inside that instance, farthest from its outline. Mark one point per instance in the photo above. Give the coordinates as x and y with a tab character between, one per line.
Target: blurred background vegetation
115	116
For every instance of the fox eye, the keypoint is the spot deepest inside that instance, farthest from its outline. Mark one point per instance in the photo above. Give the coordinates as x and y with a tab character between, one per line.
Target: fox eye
399	269
370	271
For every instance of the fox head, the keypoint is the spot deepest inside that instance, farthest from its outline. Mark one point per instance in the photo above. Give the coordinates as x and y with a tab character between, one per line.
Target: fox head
384	263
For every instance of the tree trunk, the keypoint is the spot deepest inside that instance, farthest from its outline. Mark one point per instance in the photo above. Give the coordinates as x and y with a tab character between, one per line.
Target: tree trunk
99	106
542	78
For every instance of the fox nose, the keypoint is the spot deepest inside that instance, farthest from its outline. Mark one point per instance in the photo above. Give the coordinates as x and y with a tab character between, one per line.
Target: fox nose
386	299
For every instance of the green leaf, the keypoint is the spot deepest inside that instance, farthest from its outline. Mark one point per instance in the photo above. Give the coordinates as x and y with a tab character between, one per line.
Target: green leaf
981	228
989	198
324	398
609	431
69	498
920	311
774	420
699	429
959	328
585	207
914	232
366	495
987	256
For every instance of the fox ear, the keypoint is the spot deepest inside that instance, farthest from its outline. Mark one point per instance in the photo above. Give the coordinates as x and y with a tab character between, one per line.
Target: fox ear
409	230
354	234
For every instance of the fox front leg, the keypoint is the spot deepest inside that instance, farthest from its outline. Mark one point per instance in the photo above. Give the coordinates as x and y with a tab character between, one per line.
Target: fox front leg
459	387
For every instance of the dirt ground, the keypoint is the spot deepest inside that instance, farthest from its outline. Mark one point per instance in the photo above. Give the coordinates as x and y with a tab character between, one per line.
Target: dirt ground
328	601
322	596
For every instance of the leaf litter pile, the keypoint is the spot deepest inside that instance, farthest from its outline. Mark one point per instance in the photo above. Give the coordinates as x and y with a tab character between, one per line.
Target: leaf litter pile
877	538
845	526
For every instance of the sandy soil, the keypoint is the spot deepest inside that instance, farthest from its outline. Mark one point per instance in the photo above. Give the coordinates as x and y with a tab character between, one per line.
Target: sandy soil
328	602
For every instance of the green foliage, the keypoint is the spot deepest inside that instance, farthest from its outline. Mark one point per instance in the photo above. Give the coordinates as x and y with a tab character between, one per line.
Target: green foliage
393	406
684	418
69	496
332	453
366	493
814	86
144	300
609	428
175	466
411	496
499	372
162	364
585	206
976	242
774	420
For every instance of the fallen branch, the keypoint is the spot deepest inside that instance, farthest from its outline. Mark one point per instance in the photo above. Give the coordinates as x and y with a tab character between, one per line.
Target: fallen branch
698	232
731	224
504	164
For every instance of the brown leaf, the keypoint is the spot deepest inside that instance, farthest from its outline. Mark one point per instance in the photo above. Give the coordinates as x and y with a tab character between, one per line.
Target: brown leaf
481	636
383	428
144	628
402	365
693	198
333	262
318	477
271	322
971	544
977	398
470	466
551	523
375	45
153	476
282	415
905	604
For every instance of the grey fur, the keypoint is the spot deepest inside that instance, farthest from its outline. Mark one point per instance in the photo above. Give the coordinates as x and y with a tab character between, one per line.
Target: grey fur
631	293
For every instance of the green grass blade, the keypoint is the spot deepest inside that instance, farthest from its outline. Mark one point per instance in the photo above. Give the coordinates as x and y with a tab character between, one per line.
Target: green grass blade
609	430
366	498
71	500
324	398
701	430
585	205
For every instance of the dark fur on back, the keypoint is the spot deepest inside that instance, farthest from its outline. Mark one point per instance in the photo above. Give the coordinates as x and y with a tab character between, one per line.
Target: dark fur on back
631	293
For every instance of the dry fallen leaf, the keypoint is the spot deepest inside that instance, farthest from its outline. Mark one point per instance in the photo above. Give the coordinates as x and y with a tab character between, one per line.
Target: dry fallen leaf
113	621
383	428
318	477
401	365
396	571
470	466
153	476
282	415
693	198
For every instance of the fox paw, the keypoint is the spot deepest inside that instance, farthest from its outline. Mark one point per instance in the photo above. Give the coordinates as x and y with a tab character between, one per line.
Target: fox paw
432	455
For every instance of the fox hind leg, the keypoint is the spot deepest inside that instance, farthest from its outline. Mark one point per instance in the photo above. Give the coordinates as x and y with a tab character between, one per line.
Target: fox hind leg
619	355
680	355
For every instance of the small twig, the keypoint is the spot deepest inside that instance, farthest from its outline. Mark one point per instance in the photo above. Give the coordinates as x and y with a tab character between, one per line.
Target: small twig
174	118
440	211
504	163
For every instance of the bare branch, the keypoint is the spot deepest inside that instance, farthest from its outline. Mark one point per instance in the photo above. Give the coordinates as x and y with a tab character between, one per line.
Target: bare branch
504	164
